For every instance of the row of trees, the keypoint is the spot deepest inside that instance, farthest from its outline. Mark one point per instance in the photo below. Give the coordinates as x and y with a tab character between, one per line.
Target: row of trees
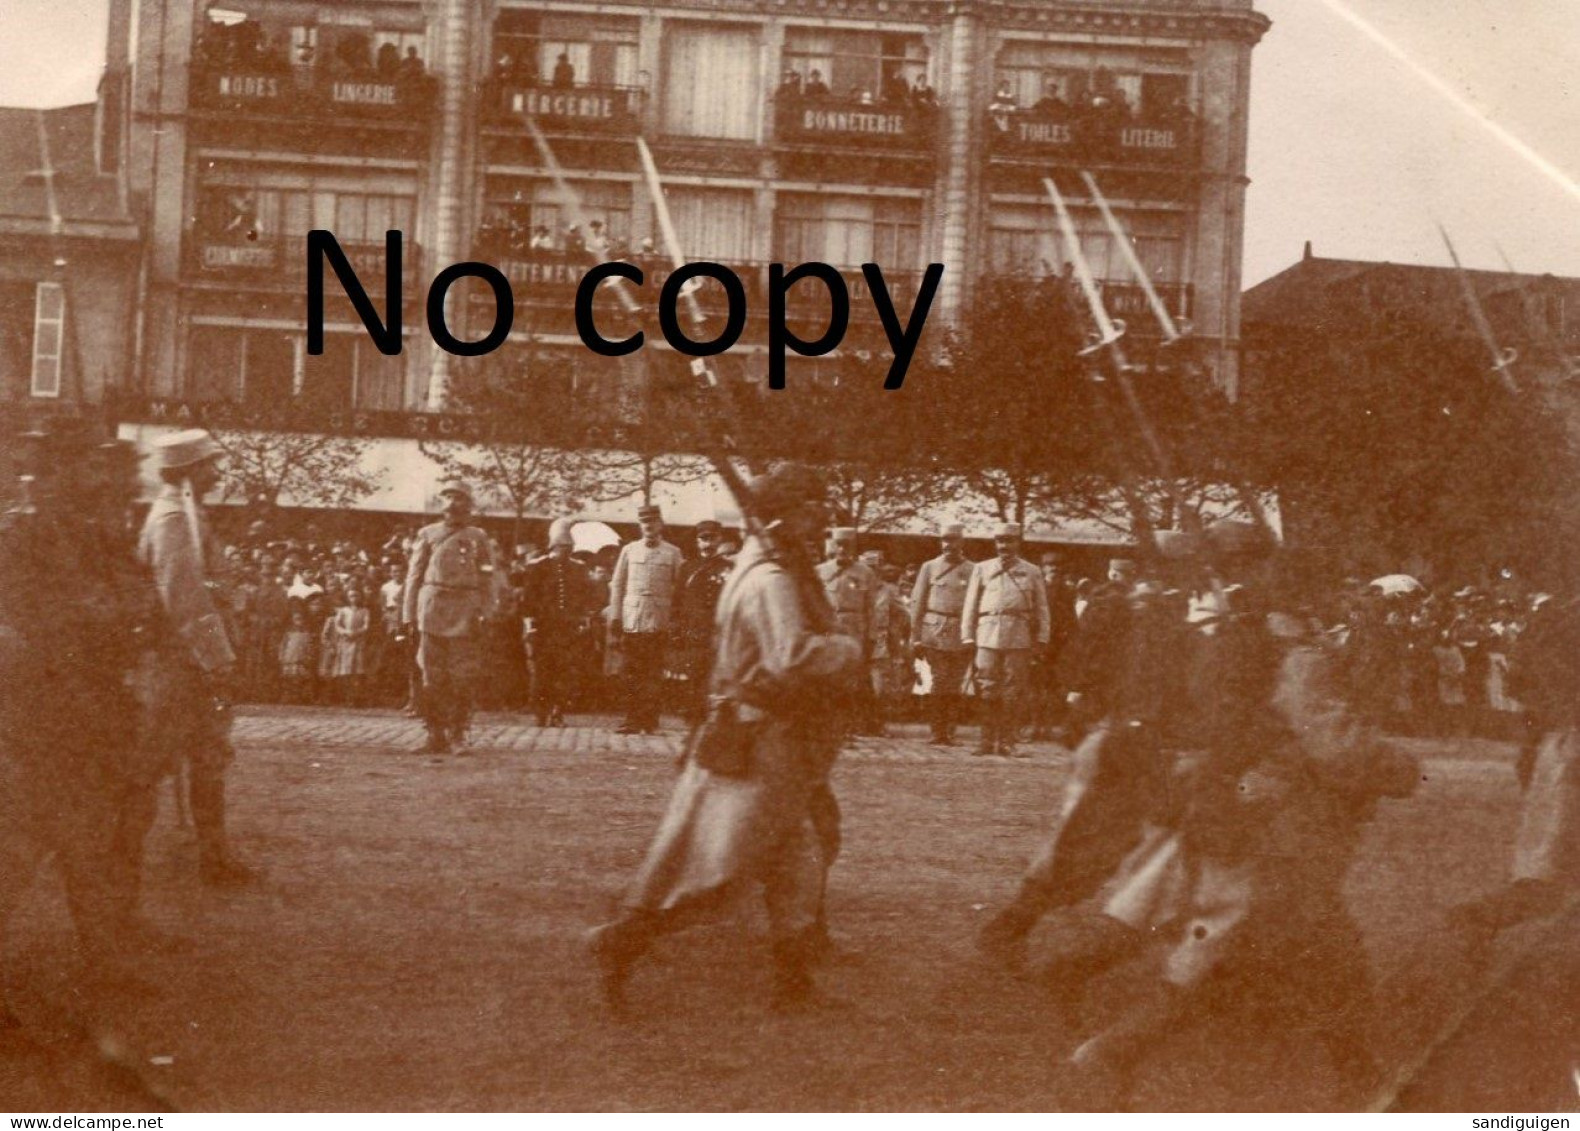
1383	437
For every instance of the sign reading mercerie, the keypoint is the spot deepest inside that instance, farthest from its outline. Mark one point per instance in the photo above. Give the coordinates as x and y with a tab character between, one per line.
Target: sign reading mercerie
564	104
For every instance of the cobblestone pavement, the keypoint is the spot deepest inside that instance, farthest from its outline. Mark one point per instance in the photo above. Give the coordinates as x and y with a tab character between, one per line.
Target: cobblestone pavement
372	729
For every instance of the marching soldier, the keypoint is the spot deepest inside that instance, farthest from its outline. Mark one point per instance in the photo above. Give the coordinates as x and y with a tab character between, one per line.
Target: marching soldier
852	591
81	632
936	605
1004	617
449	587
744	810
559	602
641	611
193	717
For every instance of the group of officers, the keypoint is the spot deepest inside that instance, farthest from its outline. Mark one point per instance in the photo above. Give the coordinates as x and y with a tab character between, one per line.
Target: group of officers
1215	804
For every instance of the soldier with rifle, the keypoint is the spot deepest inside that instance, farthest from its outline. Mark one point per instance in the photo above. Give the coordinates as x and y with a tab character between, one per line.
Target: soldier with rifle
83	640
743	811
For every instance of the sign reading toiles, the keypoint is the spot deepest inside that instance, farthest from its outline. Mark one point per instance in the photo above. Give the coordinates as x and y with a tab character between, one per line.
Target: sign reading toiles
386	332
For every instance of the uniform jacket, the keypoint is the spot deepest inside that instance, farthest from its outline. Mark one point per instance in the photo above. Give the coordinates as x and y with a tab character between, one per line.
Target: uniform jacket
767	653
449	580
558	595
643	589
853	594
936	603
720	830
179	559
702	582
1006	606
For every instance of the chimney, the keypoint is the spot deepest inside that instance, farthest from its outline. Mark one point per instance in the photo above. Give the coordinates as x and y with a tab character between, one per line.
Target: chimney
1307	255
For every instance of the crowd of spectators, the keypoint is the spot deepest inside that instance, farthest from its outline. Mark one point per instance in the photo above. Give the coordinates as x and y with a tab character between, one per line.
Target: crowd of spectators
247	46
319	622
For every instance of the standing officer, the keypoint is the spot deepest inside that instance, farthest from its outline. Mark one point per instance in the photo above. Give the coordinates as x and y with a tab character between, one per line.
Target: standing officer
936	603
852	591
193	716
559	602
1005	616
641	611
449	586
702	580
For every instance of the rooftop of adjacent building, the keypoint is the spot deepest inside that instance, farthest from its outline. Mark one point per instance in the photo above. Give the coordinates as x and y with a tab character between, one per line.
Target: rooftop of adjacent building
1306	291
50	177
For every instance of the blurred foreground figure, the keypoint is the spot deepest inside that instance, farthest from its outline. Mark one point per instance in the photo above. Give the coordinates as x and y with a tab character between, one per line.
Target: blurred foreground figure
82	636
1516	1040
1232	905
191	718
746	810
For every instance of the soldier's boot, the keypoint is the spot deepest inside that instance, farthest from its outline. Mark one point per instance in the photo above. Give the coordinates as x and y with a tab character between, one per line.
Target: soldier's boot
793	987
615	948
217	867
938	718
990	731
1084	950
1118	1049
1003	939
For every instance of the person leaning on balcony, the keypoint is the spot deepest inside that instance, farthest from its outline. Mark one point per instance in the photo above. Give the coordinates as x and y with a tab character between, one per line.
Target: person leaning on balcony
564	72
815	86
790	83
1050	105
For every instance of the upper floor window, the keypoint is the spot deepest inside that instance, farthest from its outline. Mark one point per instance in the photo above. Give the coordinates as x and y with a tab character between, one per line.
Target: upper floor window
1047	79
861	66
49	335
239	213
534	217
566	49
711	81
1023	240
847	231
361	51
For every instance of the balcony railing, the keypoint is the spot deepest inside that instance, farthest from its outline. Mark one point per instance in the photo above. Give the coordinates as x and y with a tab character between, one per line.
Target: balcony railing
1124	299
826	119
1159	140
282	261
582	108
295	92
551	276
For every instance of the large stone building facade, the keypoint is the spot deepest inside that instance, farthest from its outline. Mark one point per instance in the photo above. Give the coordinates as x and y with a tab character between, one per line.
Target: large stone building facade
901	132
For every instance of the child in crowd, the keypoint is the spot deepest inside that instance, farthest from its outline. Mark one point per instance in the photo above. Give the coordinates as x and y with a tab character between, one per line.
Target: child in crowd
298	656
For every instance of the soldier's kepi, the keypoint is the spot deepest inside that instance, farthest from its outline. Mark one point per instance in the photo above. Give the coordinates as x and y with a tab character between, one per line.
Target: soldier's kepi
193	717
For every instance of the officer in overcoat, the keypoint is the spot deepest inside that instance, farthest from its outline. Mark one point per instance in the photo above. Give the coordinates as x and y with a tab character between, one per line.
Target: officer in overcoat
936	603
194	716
559	602
642	595
449	591
852	590
1005	616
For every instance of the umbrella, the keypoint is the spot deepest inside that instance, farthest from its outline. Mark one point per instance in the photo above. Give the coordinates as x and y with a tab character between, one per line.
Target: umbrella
1397	583
590	537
